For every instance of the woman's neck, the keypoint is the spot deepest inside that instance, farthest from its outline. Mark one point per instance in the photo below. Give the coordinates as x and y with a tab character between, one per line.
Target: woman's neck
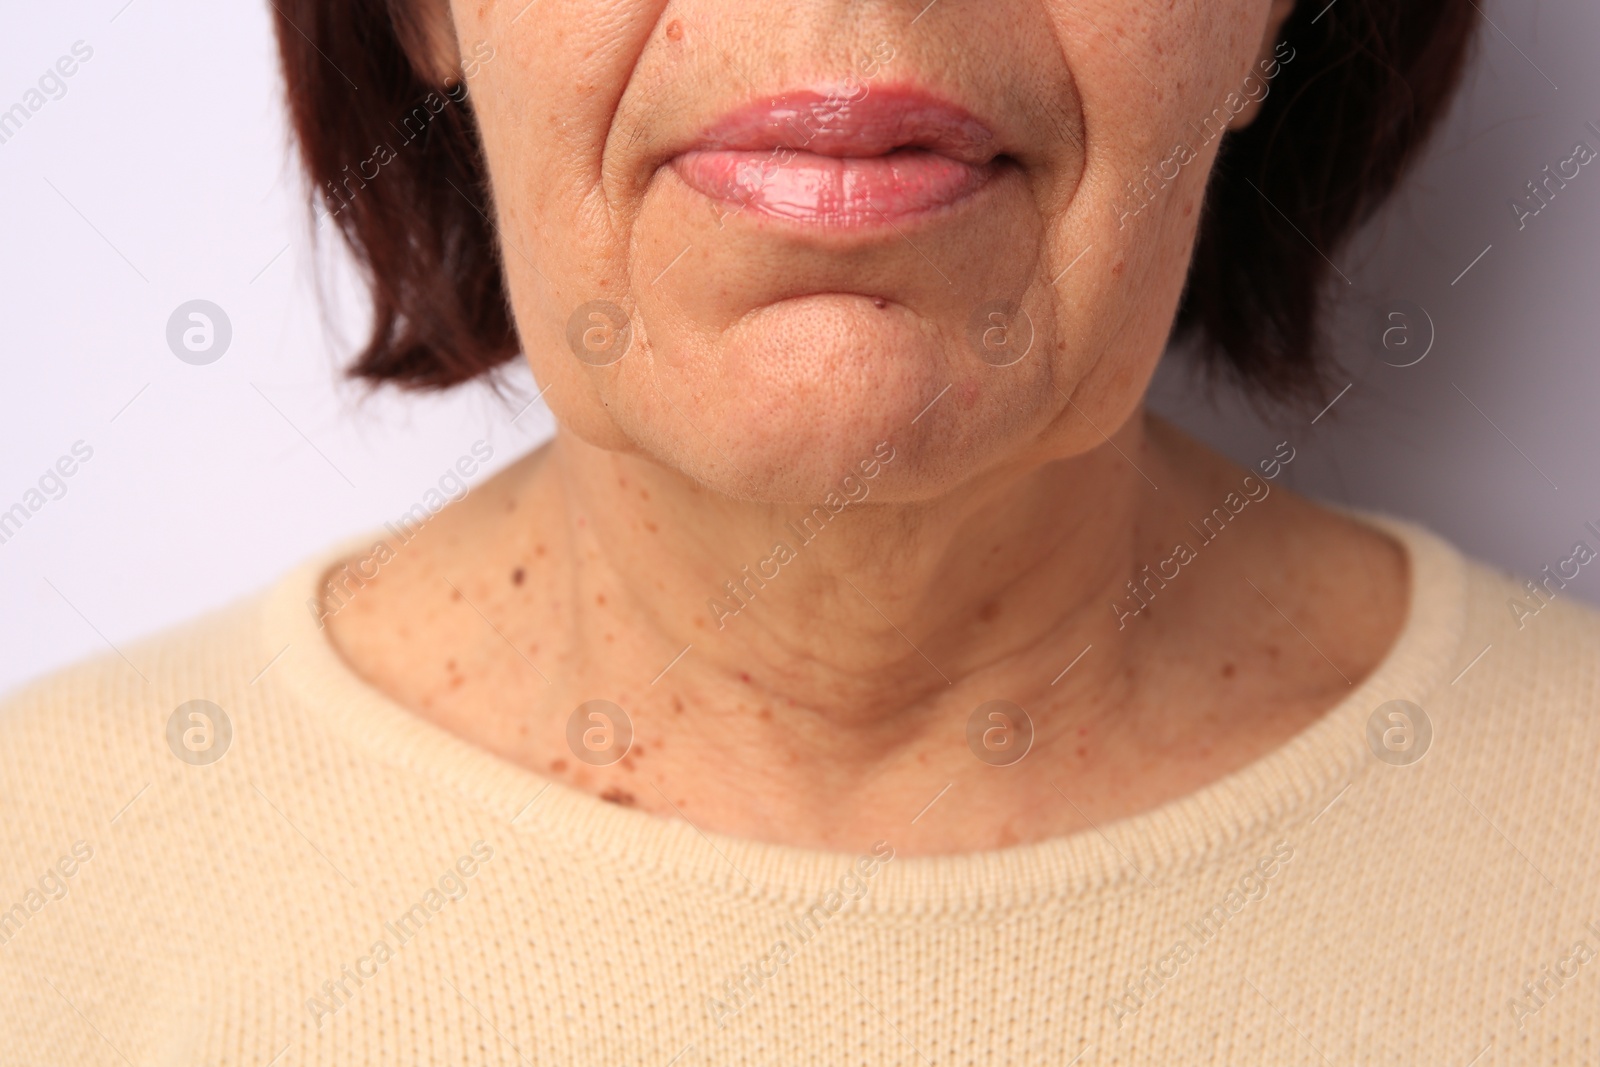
854	608
812	674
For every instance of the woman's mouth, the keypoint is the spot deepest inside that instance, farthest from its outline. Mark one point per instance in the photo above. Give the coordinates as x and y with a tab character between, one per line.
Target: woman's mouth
879	157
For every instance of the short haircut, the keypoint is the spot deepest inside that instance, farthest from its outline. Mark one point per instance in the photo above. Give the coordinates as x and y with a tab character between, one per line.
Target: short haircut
1368	81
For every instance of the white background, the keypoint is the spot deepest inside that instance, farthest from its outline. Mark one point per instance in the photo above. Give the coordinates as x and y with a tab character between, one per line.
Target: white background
163	175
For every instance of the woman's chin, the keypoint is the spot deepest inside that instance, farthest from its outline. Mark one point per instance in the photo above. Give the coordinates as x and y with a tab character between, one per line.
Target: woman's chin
804	392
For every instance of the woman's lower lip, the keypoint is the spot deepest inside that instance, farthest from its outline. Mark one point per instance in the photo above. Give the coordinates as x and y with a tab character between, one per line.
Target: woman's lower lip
833	191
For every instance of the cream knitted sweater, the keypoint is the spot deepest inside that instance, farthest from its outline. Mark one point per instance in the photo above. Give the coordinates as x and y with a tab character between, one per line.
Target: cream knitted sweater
347	884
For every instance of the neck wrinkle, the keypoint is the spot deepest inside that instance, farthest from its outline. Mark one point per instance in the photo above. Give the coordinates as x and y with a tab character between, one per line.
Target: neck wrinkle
891	613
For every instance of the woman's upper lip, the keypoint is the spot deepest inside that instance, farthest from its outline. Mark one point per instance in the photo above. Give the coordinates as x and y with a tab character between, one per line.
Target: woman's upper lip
862	120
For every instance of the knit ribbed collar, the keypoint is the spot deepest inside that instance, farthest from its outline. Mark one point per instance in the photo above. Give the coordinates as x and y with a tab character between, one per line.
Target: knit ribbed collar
1266	798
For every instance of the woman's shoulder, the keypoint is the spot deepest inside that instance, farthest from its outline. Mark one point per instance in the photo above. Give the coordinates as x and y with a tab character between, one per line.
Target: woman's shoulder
1526	667
149	698
173	795
1518	620
77	738
1537	622
1500	662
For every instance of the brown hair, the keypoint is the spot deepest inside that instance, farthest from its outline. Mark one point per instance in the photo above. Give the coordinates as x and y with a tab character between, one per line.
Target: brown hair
1340	126
1341	123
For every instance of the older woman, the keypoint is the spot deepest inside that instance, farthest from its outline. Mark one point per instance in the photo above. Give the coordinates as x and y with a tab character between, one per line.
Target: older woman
860	675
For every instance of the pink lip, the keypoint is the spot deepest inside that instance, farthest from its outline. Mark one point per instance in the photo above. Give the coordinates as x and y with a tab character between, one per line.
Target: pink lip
885	155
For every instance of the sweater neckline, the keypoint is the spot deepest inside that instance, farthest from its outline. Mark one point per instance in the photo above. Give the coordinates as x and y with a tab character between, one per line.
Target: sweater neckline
1267	796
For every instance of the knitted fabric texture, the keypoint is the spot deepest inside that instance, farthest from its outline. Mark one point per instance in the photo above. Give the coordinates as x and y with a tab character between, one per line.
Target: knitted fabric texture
348	884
